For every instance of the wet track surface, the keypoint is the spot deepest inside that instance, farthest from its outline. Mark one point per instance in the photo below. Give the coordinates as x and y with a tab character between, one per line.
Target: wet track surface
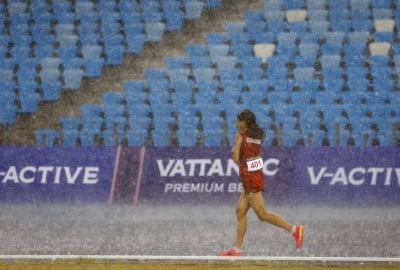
201	230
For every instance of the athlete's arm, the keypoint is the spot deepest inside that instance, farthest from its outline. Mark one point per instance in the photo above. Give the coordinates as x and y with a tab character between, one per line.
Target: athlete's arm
236	147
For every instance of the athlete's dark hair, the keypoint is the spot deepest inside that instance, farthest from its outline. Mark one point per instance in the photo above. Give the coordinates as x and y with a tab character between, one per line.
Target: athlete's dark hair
255	131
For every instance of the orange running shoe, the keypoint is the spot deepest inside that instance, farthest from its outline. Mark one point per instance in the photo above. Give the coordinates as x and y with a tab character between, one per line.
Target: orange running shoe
230	252
298	236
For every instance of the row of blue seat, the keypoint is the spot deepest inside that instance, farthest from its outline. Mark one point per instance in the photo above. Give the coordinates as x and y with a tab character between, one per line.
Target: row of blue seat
291	132
331	4
52	31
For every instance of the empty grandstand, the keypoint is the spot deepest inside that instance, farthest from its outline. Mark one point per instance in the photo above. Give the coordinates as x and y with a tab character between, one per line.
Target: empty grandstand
176	72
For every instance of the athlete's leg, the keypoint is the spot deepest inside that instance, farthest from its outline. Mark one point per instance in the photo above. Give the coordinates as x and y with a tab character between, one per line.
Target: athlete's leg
242	208
257	203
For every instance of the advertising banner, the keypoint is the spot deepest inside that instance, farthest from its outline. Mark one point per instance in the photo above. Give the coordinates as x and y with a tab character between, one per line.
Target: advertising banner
326	176
207	174
347	176
56	174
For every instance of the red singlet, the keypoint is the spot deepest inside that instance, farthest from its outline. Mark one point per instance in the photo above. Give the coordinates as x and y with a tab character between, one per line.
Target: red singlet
250	148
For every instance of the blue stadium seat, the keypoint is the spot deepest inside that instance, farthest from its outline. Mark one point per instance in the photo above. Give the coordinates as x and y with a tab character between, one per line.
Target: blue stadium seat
309	37
67	52
182	94
135	43
308	49
175	62
383	37
16	7
327	60
298	26
112	111
381	3
91	126
6	75
382	13
7	94
325	97
93	67
354	56
255	27
331	48
136	137
112	98
51	90
213	137
46	137
114	126
43	51
273	5
89	39
332	84
114	54
84	7
360	4
228	74
287	49
334	37
29	102
340	25
179	74
193	9
303	73
321	26
91	110
196	50
361	13
88	138
69	123
187	137
309	85
274	15
293	4
72	78
362	24
317	14
235	27
200	61
251	62
255	73
213	3
174	20
218	50
305	60
242	51
92	51
160	138
216	38
358	37
50	63
64	29
287	37
224	62
49	74
8	114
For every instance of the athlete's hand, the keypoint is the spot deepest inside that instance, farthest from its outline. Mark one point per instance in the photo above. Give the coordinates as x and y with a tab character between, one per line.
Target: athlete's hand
236	147
238	139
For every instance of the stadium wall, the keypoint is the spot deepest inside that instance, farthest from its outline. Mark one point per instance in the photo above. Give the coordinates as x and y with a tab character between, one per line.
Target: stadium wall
331	176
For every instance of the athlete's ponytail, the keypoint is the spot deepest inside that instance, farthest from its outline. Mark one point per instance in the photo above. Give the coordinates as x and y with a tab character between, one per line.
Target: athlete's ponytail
255	131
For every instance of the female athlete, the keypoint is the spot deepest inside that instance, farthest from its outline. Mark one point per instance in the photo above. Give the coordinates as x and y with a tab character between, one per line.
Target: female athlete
247	152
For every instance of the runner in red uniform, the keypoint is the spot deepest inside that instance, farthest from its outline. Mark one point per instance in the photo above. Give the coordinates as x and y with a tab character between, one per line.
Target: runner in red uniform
247	152
250	150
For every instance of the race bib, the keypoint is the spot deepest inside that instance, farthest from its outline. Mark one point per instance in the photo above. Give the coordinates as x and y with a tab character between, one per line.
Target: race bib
255	164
